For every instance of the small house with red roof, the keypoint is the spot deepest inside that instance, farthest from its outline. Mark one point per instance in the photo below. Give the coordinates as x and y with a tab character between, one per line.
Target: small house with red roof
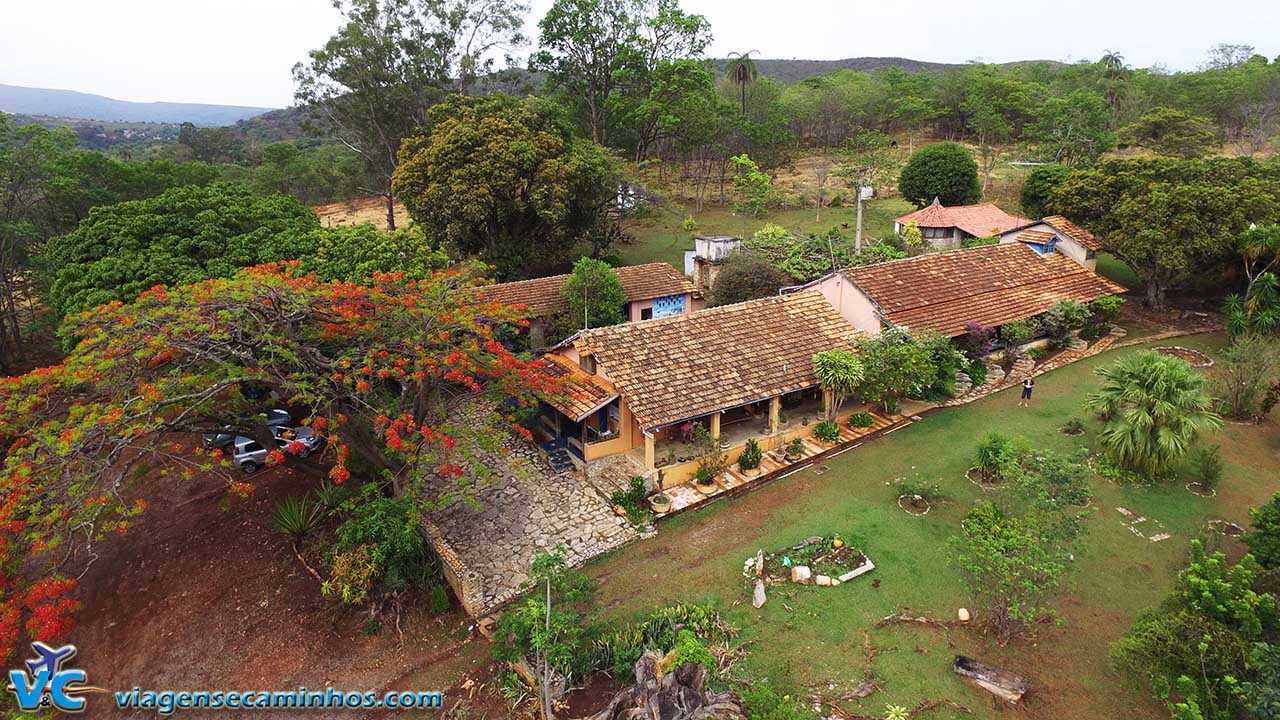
1058	234
948	227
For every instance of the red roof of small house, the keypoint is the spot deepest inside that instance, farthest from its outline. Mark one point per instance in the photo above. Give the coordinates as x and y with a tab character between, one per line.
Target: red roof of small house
1073	231
991	285
542	295
982	220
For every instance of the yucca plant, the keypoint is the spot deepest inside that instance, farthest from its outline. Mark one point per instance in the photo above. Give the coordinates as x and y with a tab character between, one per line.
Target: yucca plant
1155	407
297	517
996	453
330	496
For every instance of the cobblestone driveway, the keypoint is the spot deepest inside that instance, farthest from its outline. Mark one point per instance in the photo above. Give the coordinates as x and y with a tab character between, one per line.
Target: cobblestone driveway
529	508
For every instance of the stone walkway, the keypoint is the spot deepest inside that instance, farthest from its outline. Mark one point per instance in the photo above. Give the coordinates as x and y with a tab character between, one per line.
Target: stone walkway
488	547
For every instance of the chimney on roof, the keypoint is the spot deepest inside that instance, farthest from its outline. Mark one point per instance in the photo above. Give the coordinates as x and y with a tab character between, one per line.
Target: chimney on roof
936	201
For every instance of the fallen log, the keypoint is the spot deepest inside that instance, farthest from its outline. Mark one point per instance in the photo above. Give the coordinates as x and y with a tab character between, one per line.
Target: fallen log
1006	685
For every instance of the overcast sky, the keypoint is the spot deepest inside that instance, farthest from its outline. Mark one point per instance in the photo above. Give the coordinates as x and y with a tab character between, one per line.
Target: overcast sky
240	52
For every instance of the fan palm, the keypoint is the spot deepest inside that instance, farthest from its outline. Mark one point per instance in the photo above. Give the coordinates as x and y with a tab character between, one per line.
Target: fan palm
1155	407
1114	68
741	71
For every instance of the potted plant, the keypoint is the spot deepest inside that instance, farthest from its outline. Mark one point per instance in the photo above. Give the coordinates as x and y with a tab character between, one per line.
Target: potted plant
704	479
660	503
827	432
795	450
861	421
750	458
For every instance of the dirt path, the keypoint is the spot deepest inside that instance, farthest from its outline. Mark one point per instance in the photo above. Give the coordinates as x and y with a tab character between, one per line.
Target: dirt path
206	596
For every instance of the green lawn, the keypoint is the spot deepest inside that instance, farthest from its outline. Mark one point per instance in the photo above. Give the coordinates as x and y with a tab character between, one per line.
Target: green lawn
1114	269
662	238
809	637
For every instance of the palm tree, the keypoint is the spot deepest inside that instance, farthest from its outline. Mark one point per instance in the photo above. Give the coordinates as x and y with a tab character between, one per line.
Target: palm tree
1115	72
1155	407
741	71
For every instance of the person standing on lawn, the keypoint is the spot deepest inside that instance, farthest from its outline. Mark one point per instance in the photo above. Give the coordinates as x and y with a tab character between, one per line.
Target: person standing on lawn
1027	385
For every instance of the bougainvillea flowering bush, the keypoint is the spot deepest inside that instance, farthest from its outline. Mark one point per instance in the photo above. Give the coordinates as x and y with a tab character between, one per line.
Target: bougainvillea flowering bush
376	369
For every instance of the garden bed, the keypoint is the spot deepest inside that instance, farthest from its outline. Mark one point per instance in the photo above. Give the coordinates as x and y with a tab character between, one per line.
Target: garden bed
825	561
1196	358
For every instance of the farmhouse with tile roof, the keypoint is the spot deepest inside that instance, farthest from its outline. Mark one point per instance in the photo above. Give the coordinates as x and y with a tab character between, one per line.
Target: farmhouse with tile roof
947	227
630	386
652	290
992	285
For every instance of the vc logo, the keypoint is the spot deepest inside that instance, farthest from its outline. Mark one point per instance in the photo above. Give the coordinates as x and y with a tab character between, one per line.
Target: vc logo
46	684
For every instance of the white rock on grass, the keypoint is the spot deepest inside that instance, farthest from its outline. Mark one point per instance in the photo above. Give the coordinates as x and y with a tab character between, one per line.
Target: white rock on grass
822	580
758	598
801	574
963	614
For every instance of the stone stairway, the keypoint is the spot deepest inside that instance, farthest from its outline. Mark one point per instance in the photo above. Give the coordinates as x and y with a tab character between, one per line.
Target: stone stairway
964	383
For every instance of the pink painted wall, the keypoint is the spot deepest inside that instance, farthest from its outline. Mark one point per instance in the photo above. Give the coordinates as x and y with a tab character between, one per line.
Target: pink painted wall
851	303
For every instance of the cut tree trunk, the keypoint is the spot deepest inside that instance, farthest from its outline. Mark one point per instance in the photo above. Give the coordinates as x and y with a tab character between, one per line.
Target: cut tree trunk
1005	685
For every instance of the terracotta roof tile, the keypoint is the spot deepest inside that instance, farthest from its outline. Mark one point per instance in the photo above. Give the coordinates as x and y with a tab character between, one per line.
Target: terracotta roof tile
992	285
542	295
1073	231
691	365
581	392
977	220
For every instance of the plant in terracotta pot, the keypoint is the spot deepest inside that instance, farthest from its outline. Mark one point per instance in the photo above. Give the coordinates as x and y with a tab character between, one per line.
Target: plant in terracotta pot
795	450
711	462
704	479
660	503
750	458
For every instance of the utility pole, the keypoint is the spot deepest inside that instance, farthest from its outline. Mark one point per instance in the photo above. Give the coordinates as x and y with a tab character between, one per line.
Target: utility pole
857	236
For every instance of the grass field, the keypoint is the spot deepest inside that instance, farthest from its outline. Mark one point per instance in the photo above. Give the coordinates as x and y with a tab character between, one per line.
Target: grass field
811	637
663	238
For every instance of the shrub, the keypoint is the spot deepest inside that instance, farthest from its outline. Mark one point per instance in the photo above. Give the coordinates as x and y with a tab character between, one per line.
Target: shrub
977	372
746	276
689	224
617	649
297	517
928	490
330	496
438	600
1037	354
946	360
1037	191
977	339
861	420
1073	427
995	456
379	546
1207	467
1106	309
827	432
762	702
751	456
1247	368
1264	541
1064	318
1017	333
632	501
689	650
795	447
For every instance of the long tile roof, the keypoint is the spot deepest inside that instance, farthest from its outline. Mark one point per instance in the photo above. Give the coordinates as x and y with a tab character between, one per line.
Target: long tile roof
992	285
691	365
1073	231
542	295
982	220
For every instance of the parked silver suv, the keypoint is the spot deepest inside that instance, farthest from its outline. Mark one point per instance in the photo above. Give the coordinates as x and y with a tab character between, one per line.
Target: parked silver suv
248	454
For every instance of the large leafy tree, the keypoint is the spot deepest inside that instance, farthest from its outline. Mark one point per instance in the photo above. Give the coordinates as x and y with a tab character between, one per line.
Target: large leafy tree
1155	406
380	369
358	253
501	179
372	82
603	55
1171	132
945	171
1169	218
1037	191
1072	130
894	366
181	236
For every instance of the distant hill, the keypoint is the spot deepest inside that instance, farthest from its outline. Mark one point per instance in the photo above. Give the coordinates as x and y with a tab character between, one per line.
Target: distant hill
71	104
791	71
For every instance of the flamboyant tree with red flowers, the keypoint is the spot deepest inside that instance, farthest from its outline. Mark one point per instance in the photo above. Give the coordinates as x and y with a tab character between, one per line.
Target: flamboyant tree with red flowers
377	368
